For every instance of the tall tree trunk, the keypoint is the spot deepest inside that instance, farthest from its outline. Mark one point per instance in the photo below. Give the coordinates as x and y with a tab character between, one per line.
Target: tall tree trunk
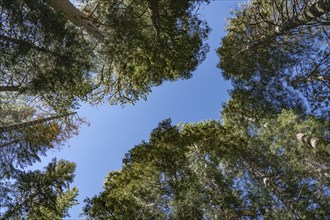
31	123
71	13
317	9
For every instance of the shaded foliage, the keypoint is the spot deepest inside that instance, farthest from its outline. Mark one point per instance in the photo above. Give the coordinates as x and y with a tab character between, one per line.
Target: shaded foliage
43	55
44	52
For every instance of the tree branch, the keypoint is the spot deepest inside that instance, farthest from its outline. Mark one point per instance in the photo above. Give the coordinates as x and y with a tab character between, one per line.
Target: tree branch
31	123
9	88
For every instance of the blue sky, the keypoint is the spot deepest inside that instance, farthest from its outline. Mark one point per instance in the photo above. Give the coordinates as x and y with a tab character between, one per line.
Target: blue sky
100	147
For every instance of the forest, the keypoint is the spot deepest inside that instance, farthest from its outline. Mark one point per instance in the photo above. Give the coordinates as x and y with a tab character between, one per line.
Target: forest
267	156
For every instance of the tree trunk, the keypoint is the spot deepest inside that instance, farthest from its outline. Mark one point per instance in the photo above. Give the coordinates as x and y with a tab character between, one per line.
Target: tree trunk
315	10
306	139
31	123
9	88
71	13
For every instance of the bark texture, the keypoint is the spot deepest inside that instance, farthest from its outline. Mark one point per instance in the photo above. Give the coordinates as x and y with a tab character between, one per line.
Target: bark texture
306	139
317	9
74	15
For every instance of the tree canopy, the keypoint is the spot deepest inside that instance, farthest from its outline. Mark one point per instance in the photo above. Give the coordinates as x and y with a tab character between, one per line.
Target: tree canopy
267	157
55	54
115	50
211	170
26	134
278	49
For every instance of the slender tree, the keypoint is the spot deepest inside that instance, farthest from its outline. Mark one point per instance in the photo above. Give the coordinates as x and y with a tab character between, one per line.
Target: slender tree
32	123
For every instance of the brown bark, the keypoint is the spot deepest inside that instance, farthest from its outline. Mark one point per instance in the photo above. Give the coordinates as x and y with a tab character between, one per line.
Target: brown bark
74	15
31	123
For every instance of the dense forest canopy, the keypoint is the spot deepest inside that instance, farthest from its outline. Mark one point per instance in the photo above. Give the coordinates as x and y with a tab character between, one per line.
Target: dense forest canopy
267	157
211	170
39	194
115	50
55	54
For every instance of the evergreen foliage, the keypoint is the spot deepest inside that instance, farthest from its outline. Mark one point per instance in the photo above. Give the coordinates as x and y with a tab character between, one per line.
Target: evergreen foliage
39	194
210	170
48	49
26	134
267	158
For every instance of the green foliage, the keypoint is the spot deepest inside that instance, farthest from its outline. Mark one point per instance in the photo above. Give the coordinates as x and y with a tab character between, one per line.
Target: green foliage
33	194
166	178
147	43
24	145
39	194
210	170
42	54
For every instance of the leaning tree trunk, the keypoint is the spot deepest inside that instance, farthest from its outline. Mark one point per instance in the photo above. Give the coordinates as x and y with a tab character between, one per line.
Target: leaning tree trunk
31	123
315	10
74	15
